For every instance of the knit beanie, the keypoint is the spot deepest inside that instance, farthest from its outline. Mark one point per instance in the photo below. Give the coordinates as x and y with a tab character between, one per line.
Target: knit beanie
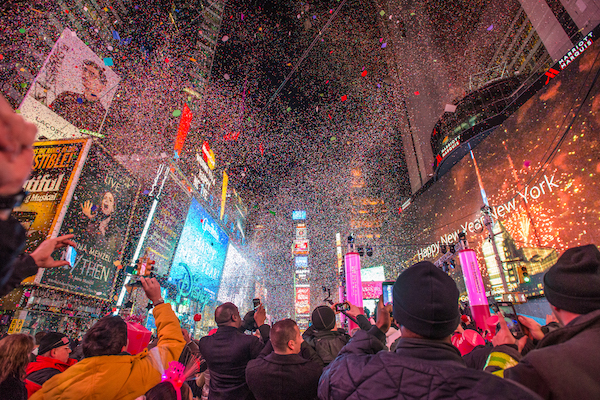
323	318
573	283
52	340
426	301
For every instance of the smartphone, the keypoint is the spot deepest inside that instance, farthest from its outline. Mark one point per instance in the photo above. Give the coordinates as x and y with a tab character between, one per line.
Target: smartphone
510	316
69	255
255	303
388	292
339	307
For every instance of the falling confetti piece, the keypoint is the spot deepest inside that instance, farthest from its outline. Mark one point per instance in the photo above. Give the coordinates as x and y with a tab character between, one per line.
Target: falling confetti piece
490	27
333	139
110	48
417	93
23	85
227	77
108	62
364	73
384	45
192	59
22	30
242	17
344	97
176	113
1	57
225	38
80	100
289	109
527	163
412	14
382	13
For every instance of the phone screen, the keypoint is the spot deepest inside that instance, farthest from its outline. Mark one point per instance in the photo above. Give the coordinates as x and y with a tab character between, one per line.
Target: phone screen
388	292
255	303
510	316
70	255
339	307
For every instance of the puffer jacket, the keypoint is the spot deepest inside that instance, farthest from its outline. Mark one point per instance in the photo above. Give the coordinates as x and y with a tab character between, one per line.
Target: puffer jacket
418	369
119	376
564	364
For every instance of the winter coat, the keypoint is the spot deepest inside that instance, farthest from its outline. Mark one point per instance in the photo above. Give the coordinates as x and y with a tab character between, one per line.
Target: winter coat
565	363
119	376
13	268
227	353
12	388
327	344
419	369
284	377
42	369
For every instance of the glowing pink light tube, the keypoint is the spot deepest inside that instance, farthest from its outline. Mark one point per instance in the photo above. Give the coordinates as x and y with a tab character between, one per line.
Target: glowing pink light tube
353	280
475	289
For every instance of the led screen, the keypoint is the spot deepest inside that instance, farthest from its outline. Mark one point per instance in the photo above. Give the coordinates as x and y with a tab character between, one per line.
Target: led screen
539	171
199	258
237	284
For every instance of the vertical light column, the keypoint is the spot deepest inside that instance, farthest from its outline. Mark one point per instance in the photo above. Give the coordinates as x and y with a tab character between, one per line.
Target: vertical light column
475	290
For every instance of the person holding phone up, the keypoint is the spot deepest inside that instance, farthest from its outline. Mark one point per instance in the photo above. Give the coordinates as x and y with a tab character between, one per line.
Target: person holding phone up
564	364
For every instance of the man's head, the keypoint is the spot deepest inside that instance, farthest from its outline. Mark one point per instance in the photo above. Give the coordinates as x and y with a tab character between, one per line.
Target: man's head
107	337
227	314
285	337
323	318
55	345
93	79
38	337
573	283
426	301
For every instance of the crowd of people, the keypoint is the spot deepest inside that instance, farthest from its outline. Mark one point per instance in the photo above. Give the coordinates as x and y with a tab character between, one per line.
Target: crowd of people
407	353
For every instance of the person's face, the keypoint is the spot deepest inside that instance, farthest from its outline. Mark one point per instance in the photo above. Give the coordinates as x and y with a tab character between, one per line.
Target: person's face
90	77
108	203
61	353
237	319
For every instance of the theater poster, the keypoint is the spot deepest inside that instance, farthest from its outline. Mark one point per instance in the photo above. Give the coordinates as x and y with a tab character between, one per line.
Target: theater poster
54	166
98	215
72	92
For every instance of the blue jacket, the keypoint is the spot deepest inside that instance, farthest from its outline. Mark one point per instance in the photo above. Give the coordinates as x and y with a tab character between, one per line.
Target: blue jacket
418	369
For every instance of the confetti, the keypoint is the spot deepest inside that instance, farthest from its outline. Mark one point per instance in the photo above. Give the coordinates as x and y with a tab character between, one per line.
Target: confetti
108	62
344	97
176	113
384	45
364	73
225	38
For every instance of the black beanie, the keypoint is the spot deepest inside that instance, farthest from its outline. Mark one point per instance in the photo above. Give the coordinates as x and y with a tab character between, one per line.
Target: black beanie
426	301
52	340
573	283
323	318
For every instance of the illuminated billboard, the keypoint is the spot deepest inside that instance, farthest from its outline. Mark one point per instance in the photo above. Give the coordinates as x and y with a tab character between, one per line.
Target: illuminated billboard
166	226
298	215
539	172
98	215
73	91
54	165
302	300
237	283
199	258
301	247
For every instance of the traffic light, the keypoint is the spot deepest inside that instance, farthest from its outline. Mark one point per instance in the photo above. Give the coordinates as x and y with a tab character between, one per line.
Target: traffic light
361	251
525	274
369	250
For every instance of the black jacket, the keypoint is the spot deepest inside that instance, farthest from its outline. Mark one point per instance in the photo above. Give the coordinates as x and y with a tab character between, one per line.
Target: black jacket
565	363
327	344
227	353
418	369
13	269
284	377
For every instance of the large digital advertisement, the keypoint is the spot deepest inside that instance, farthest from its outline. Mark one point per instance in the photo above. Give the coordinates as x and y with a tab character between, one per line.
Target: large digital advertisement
166	226
54	164
73	90
98	215
237	283
538	171
199	258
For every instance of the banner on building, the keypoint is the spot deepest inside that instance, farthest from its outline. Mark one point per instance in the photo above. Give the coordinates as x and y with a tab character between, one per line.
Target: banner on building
98	215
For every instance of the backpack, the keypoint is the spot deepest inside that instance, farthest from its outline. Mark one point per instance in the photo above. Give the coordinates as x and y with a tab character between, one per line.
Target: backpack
327	344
